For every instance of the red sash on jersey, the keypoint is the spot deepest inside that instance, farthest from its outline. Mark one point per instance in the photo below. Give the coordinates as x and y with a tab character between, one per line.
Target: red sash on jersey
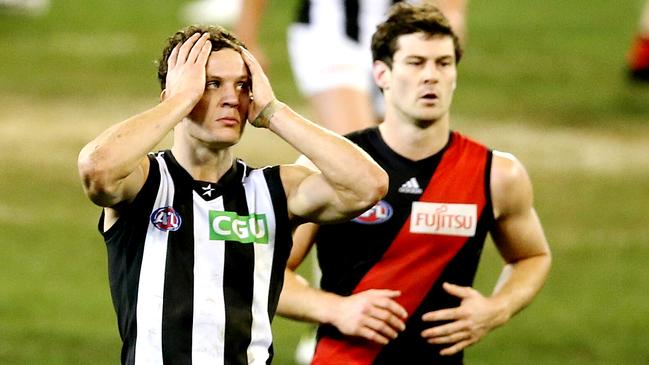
414	262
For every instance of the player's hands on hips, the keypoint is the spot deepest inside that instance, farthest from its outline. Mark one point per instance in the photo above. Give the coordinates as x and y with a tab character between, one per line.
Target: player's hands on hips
262	92
186	67
468	323
372	314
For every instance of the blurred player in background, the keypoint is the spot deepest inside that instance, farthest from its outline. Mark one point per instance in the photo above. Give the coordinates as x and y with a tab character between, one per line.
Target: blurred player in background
397	280
639	52
329	49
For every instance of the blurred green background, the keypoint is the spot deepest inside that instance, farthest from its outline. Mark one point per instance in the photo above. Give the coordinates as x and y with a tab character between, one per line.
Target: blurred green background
542	79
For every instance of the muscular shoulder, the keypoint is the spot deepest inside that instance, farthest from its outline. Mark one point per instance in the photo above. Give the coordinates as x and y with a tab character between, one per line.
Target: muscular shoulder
511	188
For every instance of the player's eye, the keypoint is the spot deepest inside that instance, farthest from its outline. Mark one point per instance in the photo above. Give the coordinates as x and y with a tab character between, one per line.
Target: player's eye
414	62
213	84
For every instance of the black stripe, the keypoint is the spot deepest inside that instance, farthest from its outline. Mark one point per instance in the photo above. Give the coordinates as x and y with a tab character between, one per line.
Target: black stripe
351	19
283	237
487	188
125	246
304	12
341	274
283	242
178	305
238	278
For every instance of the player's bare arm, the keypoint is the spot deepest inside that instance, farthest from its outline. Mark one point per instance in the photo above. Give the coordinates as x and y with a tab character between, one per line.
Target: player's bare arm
114	166
521	242
347	181
373	314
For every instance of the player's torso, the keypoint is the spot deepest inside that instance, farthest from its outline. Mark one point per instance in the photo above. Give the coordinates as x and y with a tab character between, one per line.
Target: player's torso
429	228
205	278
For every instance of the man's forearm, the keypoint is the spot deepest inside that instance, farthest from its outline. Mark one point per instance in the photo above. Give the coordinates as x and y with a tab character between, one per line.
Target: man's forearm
520	282
354	175
116	152
301	302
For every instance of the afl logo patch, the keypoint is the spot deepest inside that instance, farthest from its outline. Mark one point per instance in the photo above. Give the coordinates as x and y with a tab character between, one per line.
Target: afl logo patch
379	213
166	219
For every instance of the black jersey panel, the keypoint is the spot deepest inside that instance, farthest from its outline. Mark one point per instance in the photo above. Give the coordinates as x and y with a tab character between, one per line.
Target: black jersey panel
347	251
124	244
237	291
178	305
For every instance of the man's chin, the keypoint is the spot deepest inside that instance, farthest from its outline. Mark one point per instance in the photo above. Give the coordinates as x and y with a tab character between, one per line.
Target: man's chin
224	140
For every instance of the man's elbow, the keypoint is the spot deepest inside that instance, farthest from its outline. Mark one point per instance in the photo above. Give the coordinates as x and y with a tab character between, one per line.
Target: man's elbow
380	184
95	178
372	189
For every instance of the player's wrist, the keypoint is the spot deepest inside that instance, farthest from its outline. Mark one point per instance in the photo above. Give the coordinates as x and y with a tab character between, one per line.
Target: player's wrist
329	308
262	120
183	103
503	310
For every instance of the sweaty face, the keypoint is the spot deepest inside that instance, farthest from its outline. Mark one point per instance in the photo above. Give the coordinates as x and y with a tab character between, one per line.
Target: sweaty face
220	116
421	82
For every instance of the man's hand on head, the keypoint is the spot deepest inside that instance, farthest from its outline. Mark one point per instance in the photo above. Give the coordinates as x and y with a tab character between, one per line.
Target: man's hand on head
186	73
262	102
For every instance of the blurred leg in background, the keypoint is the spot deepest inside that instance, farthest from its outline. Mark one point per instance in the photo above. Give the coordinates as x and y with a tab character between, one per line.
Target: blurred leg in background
25	7
221	12
639	52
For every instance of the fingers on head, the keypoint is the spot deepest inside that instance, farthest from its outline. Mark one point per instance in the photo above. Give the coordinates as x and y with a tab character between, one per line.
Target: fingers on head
199	48
186	47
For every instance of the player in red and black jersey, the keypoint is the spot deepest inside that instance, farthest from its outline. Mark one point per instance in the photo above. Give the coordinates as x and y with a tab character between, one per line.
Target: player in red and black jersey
396	280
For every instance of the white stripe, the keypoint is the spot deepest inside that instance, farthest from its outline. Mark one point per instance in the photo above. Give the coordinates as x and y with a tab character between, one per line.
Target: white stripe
148	346
208	332
258	198
329	15
370	14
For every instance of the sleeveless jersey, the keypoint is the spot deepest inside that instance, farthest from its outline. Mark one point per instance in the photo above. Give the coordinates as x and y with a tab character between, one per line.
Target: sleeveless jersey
195	268
356	19
429	229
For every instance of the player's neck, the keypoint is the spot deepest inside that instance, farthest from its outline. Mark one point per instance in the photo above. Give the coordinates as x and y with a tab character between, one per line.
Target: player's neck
415	141
204	164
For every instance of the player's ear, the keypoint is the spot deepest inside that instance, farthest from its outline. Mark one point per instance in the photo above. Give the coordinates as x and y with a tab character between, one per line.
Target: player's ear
381	72
163	95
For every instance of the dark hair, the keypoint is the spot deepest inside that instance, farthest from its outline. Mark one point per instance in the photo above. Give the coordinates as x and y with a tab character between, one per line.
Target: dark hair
404	18
219	37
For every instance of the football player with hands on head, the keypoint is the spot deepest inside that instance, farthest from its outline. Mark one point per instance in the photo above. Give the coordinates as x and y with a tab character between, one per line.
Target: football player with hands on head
197	239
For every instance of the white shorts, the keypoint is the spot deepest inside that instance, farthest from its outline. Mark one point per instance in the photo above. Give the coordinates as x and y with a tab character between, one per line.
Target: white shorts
322	60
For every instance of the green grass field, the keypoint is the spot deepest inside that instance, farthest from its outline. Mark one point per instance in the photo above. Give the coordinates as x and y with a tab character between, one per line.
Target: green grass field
542	79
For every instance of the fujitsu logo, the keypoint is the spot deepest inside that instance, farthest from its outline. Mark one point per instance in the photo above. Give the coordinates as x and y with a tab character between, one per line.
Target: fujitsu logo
444	219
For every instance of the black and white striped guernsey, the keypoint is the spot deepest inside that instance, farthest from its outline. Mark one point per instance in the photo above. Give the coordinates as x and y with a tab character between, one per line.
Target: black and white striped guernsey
195	268
357	19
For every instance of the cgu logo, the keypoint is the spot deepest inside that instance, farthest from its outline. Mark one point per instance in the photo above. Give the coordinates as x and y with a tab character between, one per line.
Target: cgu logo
166	219
379	213
229	226
444	219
